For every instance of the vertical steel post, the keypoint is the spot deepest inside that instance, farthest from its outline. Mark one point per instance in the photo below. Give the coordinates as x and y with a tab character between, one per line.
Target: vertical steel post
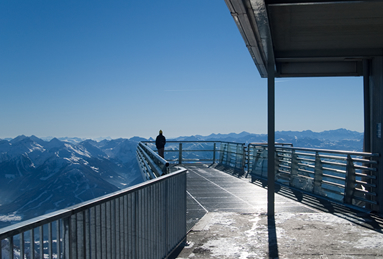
103	230
11	254
92	234
127	219
270	136
367	109
99	231
376	100
214	150
318	174
180	154
21	246
108	236
73	236
32	253
350	181
80	235
41	242
67	238
58	238
166	219
50	252
367	119
87	230
294	167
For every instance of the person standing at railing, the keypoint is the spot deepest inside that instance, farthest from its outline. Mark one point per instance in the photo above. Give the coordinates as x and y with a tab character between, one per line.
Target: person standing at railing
160	144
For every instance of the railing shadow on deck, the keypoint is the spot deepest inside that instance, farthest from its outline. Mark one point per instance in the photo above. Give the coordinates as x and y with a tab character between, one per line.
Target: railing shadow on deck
355	215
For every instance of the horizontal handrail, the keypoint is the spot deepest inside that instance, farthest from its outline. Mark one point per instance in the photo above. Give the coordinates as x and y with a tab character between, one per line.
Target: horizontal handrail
335	174
151	164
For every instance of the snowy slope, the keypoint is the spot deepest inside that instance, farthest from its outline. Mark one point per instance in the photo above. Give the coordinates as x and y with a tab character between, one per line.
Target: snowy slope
37	176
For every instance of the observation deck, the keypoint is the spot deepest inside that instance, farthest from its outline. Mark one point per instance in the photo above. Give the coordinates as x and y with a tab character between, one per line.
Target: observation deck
214	205
230	217
279	201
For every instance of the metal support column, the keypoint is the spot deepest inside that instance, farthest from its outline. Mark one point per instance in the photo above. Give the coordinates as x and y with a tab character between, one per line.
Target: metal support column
270	139
367	107
376	99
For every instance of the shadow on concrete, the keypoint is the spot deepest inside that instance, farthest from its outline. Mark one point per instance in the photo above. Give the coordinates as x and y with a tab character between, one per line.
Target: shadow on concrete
273	242
357	216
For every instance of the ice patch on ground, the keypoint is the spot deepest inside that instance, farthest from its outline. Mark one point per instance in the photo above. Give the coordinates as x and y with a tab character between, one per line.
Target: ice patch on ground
221	219
328	218
282	217
224	248
374	241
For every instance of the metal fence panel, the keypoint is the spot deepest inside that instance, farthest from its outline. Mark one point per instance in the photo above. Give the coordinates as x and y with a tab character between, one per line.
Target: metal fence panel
126	224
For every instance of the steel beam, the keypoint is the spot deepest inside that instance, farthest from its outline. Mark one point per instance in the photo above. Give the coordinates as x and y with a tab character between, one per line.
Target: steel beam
367	106
270	139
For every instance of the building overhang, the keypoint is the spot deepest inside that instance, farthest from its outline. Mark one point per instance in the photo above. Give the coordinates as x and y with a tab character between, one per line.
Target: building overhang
310	38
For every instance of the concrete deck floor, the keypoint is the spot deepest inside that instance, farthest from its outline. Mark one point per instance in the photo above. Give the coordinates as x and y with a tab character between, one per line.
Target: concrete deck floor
227	219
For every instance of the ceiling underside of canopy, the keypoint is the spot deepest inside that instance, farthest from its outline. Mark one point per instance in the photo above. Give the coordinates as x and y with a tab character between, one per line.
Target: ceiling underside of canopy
310	38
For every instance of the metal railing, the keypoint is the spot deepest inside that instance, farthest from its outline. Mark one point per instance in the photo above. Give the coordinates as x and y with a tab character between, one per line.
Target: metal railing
233	155
147	220
344	176
179	152
150	163
221	152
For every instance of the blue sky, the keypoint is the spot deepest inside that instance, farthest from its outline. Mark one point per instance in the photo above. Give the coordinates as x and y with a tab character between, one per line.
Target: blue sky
129	68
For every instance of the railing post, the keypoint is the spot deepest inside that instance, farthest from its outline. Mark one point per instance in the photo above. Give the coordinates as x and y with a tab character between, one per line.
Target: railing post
228	155
67	239
214	150
238	157
41	242
180	154
22	241
58	237
277	163
73	236
10	242
244	157
318	174
350	181
294	167
32	253
50	252
257	153
264	163
222	147
166	216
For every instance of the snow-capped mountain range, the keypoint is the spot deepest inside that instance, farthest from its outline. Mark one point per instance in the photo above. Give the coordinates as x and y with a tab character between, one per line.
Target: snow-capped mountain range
340	139
37	176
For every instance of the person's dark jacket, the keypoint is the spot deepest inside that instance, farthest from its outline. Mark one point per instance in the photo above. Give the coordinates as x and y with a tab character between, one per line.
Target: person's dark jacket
160	141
